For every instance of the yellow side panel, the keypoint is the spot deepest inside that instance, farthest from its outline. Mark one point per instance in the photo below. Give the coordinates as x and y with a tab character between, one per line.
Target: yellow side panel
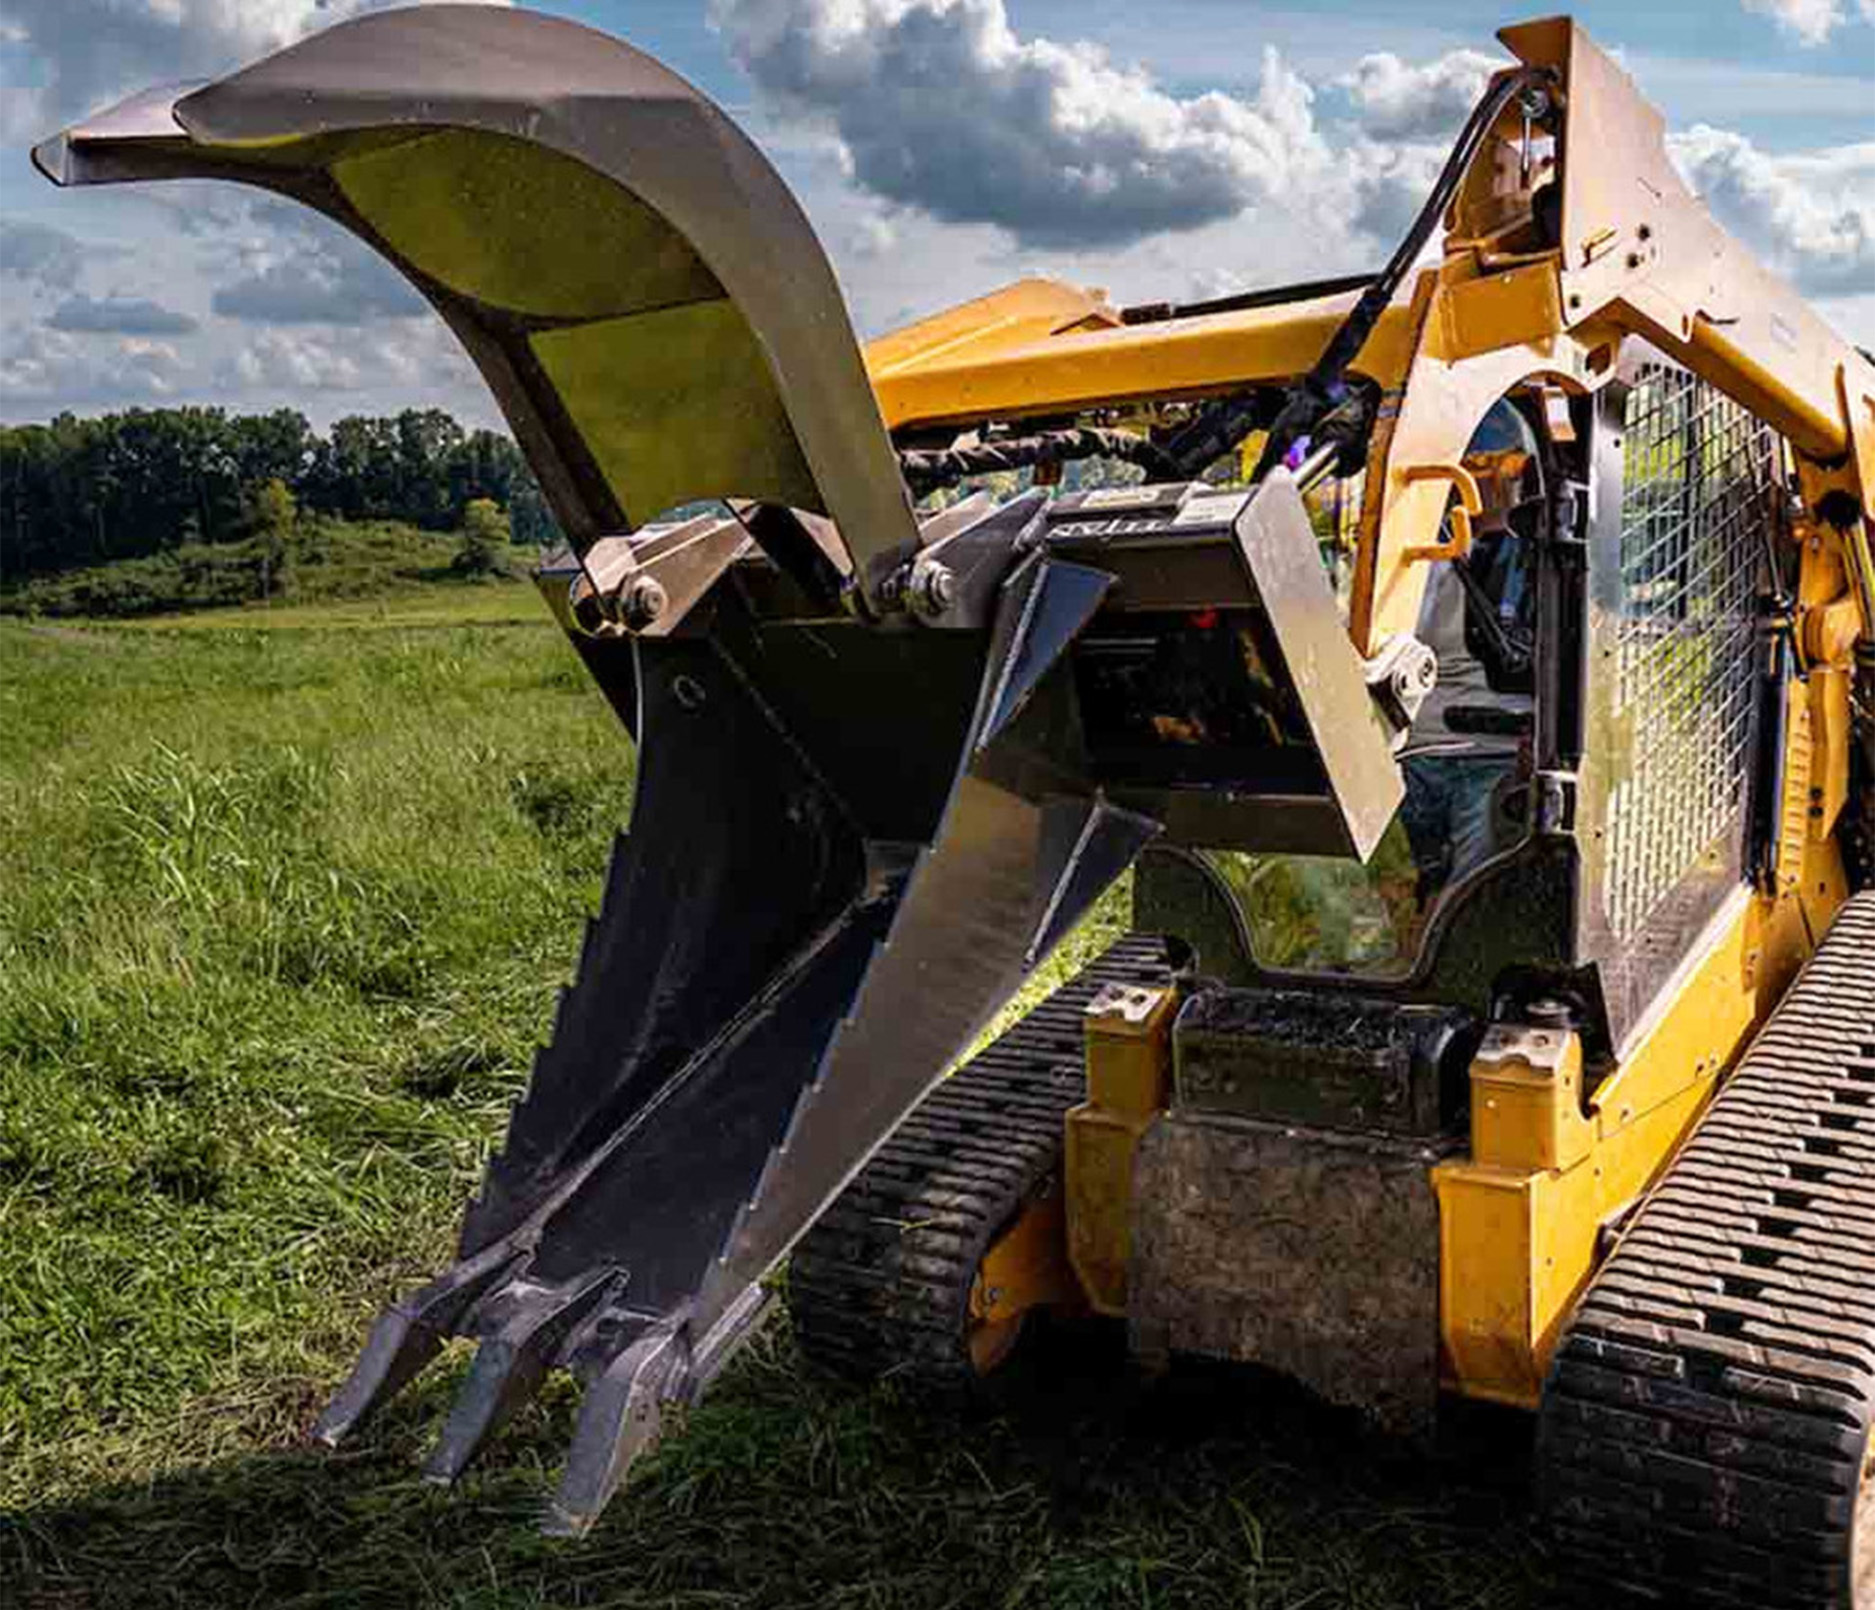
1488	1229
1101	1148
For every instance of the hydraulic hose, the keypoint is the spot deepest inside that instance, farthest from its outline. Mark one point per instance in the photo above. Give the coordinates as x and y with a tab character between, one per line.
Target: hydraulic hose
1325	386
928	471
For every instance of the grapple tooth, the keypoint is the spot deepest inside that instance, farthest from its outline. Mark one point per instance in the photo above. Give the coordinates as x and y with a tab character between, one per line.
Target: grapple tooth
408	1335
509	1367
1060	600
622	1414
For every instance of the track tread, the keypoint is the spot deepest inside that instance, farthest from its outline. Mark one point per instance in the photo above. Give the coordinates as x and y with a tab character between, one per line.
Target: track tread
881	1284
1708	1409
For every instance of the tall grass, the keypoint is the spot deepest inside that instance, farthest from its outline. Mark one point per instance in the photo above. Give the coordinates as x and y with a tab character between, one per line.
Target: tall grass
280	917
282	914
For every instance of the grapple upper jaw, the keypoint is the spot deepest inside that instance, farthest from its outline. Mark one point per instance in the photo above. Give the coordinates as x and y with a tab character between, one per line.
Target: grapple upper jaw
575	211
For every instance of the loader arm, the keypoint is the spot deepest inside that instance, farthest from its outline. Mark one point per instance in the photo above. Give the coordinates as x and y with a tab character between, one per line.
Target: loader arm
1635	254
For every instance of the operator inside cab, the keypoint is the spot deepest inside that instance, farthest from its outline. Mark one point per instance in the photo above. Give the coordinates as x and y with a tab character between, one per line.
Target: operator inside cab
1466	760
1464	755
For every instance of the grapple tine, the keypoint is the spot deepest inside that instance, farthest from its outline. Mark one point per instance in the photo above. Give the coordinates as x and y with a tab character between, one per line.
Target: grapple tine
407	1336
621	1416
394	1354
535	1326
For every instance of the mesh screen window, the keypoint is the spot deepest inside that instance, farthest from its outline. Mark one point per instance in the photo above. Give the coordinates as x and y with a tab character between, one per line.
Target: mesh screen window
1700	478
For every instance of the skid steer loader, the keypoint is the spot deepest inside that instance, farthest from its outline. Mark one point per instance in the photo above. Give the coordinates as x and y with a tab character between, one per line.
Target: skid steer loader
1472	663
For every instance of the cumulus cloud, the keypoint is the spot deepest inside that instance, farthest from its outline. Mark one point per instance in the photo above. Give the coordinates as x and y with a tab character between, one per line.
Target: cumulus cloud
91	52
330	360
1811	21
41	365
287	265
298	361
939	108
937	104
119	315
339	287
39	253
1811	215
1398	101
1389	184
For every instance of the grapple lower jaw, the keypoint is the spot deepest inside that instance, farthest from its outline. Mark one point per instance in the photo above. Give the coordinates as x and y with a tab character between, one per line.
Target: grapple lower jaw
791	949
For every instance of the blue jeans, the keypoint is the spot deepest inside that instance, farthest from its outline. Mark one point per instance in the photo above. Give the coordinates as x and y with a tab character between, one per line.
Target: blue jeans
1448	813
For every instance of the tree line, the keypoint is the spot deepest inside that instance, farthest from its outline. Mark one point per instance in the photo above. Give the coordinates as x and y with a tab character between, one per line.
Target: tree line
83	492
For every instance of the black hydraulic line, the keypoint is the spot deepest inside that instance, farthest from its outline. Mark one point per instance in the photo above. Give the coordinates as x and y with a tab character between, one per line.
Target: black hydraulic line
1769	777
1243	301
1219	427
928	471
1324	388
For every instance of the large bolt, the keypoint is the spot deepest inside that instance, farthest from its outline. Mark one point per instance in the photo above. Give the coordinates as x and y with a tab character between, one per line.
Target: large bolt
1550	1012
641	601
933	589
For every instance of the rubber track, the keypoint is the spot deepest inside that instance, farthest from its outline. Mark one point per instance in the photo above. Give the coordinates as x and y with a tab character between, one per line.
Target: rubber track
881	1284
1707	1415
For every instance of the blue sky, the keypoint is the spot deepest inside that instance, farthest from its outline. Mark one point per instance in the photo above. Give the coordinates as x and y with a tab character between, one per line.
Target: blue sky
1183	147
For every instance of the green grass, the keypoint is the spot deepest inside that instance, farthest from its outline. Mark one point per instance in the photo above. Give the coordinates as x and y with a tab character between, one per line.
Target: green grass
283	905
450	603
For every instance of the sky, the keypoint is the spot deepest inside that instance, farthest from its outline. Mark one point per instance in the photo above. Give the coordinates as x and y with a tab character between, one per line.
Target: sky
941	147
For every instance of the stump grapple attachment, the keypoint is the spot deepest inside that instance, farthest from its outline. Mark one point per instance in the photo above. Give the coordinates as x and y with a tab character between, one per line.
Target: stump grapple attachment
863	811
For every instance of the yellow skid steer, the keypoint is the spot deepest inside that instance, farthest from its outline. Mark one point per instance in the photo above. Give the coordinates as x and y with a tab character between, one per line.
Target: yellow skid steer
1473	664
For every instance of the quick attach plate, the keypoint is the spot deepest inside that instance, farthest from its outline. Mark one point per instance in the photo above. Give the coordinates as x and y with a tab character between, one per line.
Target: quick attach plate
1261	736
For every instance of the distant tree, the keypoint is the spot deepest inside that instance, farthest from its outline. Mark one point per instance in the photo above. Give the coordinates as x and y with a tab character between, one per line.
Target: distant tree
279	445
485	537
275	513
81	492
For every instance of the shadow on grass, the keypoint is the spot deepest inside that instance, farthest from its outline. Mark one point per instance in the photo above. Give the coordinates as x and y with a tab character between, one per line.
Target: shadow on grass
1088	1486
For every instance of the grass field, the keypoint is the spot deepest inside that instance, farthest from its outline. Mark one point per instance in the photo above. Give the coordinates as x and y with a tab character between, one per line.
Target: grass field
284	898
